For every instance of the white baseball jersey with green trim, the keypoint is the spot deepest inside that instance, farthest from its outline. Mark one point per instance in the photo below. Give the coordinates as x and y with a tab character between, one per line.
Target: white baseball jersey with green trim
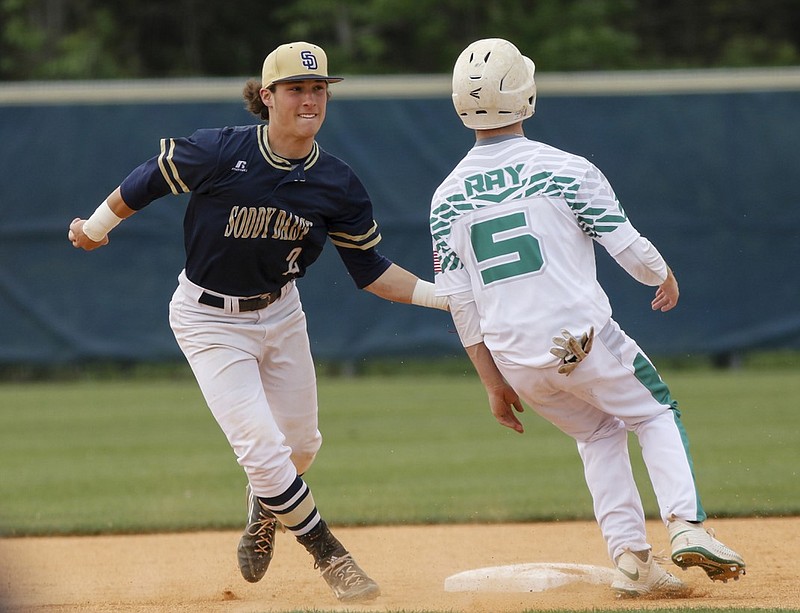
514	222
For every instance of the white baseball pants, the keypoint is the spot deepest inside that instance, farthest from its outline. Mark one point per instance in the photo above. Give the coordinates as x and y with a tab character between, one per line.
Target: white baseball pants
257	375
614	390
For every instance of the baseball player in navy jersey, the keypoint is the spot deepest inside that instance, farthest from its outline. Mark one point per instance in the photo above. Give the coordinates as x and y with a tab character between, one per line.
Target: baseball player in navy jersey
264	200
513	228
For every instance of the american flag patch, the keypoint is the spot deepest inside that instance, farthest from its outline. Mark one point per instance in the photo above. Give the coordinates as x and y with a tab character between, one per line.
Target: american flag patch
437	263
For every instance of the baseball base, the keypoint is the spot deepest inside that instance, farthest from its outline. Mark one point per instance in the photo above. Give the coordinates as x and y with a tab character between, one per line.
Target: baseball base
527	577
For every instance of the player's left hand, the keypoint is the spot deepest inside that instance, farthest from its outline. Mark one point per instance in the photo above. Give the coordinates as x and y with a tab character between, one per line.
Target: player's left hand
667	294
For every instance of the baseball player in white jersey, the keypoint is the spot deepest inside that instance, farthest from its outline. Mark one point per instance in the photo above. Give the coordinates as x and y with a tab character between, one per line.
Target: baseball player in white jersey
514	227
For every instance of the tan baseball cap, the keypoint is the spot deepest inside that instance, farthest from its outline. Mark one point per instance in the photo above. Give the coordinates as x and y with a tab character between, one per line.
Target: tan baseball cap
296	62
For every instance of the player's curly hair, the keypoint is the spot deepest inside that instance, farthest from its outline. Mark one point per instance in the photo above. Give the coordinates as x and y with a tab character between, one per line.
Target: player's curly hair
252	99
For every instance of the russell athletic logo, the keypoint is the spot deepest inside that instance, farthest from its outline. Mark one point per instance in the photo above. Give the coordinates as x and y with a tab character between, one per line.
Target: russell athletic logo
308	59
241	166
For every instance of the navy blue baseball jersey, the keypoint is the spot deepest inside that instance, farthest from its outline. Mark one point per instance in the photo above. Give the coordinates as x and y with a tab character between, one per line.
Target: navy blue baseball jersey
256	220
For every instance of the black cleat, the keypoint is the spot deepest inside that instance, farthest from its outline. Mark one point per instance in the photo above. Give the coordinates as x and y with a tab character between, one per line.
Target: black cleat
258	540
346	579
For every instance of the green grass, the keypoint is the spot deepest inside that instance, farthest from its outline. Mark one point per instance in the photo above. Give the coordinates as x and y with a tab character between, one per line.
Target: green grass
139	455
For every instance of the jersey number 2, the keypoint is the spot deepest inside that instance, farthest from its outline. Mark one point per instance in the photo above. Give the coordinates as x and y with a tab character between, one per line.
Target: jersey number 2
292	267
524	249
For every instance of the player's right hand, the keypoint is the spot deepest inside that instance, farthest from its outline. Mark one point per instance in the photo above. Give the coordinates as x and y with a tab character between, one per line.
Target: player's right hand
503	402
79	240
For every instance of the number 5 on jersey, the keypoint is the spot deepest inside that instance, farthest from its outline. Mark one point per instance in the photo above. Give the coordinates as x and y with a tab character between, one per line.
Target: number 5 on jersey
502	251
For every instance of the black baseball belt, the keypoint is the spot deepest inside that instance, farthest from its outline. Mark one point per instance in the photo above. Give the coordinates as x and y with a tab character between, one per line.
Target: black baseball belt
245	304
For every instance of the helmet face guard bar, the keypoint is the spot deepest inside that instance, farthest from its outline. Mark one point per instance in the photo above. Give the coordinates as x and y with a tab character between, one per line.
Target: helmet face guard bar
493	85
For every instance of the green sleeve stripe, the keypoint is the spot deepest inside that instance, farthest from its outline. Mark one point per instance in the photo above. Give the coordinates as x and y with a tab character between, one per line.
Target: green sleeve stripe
450	262
449	214
438	210
612	219
539	176
565	180
533	189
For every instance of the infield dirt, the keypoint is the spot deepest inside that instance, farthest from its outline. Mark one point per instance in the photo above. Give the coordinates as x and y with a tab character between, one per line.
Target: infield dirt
197	571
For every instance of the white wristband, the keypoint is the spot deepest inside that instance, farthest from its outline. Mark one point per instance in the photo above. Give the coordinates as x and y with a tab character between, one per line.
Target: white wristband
101	222
425	295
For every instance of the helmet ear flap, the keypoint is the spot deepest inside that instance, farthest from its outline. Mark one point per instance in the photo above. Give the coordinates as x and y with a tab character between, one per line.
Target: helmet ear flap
493	85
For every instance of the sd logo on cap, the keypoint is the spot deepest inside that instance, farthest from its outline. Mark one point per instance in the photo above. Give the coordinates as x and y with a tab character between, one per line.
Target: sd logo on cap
298	61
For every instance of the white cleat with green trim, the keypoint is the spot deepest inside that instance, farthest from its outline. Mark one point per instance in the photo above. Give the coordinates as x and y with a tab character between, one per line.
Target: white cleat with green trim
637	578
693	545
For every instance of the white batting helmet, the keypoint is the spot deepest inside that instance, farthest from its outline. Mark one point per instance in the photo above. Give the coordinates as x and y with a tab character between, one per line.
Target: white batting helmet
493	85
